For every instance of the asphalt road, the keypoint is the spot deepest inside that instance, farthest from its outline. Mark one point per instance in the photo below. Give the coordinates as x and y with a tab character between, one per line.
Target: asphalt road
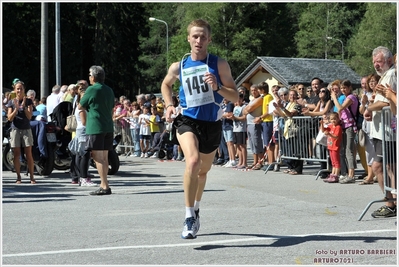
247	218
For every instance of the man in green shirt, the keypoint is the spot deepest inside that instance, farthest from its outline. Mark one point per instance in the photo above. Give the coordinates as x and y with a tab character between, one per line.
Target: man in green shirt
98	100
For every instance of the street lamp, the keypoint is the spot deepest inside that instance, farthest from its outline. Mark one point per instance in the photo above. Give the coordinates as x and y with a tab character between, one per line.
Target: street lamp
167	39
342	45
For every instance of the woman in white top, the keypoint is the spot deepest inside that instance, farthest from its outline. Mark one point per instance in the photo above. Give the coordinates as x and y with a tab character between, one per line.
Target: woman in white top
367	96
82	159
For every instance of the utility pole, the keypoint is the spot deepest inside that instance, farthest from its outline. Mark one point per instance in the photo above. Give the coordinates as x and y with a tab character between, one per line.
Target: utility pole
57	45
44	90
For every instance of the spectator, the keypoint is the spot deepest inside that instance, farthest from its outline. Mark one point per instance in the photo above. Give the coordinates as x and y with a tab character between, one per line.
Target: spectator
20	111
291	109
6	99
116	115
316	84
63	91
349	129
31	94
311	103
254	128
198	128
276	128
282	94
222	154
148	100
266	121
334	139
323	108
99	127
145	131
383	65
240	132
303	98
243	91
82	159
125	125
309	92
52	101
141	100
154	125
227	130
367	98
70	93
135	128
41	108
161	113
361	150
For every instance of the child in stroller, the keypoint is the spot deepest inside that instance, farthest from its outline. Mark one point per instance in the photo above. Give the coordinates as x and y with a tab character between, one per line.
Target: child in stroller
162	146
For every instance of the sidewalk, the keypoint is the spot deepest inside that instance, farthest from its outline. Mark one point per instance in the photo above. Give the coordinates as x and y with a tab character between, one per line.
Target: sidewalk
247	218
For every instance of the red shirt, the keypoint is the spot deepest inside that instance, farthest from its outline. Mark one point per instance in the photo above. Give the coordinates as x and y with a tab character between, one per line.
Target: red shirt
334	143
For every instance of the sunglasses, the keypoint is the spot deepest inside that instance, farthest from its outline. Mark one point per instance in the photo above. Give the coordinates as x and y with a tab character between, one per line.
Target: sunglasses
300	88
322	91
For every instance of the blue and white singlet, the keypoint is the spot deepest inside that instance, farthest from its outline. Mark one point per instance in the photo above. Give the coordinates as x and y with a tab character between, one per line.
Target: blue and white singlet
197	99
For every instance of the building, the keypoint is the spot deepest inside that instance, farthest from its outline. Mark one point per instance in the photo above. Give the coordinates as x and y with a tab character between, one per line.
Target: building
285	71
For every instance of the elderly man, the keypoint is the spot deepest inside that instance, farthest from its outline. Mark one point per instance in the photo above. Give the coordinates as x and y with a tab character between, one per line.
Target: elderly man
52	101
98	100
384	66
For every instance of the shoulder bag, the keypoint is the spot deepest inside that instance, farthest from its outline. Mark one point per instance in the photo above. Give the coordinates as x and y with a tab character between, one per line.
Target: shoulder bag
71	122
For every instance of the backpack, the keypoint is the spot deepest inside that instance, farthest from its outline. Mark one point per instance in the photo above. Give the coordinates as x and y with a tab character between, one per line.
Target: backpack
359	117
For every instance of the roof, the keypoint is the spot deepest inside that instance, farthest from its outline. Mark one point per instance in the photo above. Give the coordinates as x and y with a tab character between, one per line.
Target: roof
289	71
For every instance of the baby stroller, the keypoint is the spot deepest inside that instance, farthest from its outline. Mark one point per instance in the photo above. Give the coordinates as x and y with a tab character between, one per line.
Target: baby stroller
163	147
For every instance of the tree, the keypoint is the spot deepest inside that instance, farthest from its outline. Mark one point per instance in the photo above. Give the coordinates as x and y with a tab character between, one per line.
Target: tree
321	20
374	30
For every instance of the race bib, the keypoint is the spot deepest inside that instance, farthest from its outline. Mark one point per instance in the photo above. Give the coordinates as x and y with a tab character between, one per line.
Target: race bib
196	91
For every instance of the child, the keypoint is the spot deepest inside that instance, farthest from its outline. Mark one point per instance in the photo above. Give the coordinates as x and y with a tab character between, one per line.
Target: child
154	127
334	139
145	131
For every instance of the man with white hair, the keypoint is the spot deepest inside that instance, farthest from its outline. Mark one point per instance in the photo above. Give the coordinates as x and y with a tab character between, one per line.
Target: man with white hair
385	68
31	94
52	101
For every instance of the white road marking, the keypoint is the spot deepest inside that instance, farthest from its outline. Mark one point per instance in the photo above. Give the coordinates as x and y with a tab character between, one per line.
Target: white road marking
189	243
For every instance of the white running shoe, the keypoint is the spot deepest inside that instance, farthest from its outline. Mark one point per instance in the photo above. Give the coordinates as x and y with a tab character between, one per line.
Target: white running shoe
189	228
227	165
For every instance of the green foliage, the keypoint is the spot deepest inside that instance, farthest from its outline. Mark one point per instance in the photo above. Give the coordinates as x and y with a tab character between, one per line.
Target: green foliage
321	20
374	30
132	49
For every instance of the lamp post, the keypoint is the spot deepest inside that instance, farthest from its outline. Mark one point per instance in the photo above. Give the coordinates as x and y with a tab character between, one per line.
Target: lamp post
342	45
167	39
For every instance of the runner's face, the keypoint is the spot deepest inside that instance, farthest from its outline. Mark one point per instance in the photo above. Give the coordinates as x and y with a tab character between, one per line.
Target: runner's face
199	39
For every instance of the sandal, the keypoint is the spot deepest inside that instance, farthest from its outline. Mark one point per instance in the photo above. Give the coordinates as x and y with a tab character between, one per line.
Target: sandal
366	182
293	172
32	181
18	181
287	171
257	166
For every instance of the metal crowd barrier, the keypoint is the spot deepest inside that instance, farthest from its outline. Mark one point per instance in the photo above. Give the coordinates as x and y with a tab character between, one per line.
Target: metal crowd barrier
300	135
388	158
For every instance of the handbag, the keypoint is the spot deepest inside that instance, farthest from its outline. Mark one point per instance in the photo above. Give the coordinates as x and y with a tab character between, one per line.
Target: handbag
71	122
321	138
361	135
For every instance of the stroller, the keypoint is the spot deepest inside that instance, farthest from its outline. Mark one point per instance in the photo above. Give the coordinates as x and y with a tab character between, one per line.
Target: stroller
163	145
